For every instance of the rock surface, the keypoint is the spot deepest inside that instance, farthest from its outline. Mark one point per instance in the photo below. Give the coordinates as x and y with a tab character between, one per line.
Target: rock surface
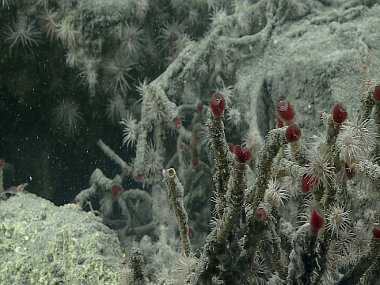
41	243
314	63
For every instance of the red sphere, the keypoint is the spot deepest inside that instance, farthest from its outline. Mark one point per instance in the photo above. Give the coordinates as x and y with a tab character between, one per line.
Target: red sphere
177	122
285	112
191	233
261	214
308	183
242	155
217	104
376	94
350	172
293	133
339	114
116	190
376	233
316	221
139	177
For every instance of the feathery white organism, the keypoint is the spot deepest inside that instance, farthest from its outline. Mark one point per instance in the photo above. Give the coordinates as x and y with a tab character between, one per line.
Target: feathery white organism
203	69
130	130
141	9
252	140
118	70
131	36
275	194
369	85
218	15
347	247
332	266
155	109
319	165
48	17
227	92
258	270
106	205
308	206
361	233
346	238
274	279
192	16
22	32
169	34
143	89
178	4
43	3
73	57
240	8
337	219
89	73
350	256
221	55
67	33
204	136
213	4
348	146
154	161
233	116
360	128
291	184
6	3
184	266
214	220
68	117
181	42
116	108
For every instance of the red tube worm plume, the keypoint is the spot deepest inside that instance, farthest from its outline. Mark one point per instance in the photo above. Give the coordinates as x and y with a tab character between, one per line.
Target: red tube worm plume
308	183
242	155
285	112
77	202
339	113
195	162
376	94
217	104
191	233
292	133
139	177
177	123
116	190
350	172
376	233
316	221
261	214
2	163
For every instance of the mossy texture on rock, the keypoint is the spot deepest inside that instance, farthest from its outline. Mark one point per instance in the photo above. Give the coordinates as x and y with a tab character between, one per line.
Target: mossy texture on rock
41	243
